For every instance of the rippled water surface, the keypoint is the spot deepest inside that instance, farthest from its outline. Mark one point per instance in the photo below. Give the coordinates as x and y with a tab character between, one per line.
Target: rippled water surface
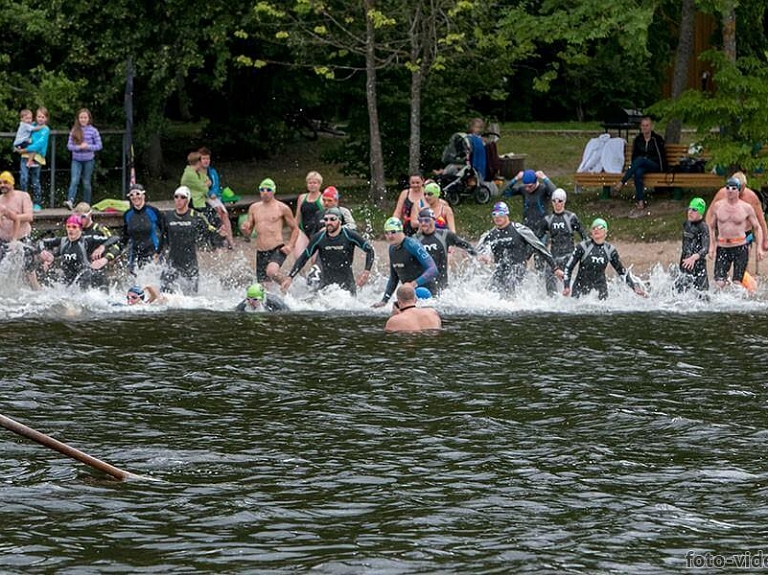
527	441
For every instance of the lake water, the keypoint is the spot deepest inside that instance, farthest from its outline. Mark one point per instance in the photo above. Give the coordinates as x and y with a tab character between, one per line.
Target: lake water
529	436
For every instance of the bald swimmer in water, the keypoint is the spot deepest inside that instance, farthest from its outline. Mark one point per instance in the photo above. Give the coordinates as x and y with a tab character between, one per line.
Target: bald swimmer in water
407	317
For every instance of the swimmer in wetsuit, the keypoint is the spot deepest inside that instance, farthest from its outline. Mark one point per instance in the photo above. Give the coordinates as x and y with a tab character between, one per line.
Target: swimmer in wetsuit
557	229
409	262
71	253
436	242
185	227
336	248
256	300
593	256
511	245
143	230
693	262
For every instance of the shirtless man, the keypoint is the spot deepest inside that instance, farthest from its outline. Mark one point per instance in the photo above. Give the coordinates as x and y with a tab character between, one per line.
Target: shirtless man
747	195
407	317
268	217
728	241
16	224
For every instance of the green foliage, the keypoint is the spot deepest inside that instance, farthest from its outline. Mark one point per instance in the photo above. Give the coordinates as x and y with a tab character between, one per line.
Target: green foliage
732	123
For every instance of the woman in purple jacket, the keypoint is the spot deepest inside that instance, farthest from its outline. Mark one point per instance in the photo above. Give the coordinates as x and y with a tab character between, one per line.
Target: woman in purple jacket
84	142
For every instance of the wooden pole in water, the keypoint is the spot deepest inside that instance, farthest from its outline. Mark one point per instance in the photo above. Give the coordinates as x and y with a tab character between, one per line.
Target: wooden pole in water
57	445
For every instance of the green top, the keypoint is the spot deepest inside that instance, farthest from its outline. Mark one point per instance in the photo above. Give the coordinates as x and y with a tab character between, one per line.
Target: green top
196	183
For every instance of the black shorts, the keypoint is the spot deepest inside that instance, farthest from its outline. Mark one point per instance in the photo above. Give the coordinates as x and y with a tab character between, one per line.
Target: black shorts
724	257
263	259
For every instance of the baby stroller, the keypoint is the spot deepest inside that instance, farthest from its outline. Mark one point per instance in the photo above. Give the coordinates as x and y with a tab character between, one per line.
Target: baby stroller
465	183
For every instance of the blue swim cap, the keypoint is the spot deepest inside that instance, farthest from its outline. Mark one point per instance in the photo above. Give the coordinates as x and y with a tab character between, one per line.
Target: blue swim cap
529	177
423	293
500	209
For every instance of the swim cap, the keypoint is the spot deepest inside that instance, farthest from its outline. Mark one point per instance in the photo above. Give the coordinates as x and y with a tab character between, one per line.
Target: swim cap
600	223
427	213
331	192
432	188
137	290
333	212
500	209
699	205
423	293
733	183
559	194
255	291
529	177
268	184
7	177
183	191
74	220
393	225
83	208
136	189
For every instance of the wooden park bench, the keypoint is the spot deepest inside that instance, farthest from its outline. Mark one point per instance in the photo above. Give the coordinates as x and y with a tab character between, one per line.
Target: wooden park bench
670	179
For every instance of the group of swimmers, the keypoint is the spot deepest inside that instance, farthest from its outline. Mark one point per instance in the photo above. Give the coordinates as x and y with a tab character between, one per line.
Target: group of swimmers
323	234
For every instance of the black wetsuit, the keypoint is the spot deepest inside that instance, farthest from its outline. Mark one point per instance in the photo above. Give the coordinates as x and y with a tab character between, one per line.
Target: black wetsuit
143	233
98	233
437	244
271	303
559	229
72	258
592	259
695	241
336	254
535	203
311	216
182	233
409	261
511	247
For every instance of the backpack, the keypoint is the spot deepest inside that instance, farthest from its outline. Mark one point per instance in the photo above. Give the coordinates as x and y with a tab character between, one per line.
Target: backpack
457	149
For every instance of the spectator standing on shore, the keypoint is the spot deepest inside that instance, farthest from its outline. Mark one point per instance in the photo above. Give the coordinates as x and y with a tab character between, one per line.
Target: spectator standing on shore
195	178
649	154
33	158
214	196
84	141
24	132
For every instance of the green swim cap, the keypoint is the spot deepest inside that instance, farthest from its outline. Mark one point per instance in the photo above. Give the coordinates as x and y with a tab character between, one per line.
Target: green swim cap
268	184
600	223
393	225
432	188
699	205
255	291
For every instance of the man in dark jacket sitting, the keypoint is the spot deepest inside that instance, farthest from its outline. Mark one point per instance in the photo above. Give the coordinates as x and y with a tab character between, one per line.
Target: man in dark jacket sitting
648	155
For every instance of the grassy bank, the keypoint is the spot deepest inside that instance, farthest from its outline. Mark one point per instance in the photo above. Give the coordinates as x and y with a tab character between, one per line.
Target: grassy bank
554	148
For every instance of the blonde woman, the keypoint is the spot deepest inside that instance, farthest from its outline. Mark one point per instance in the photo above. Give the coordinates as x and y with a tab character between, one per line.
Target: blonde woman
309	209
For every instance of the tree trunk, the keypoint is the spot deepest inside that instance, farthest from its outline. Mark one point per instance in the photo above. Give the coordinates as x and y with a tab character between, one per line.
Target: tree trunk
378	185
729	30
414	153
155	155
682	60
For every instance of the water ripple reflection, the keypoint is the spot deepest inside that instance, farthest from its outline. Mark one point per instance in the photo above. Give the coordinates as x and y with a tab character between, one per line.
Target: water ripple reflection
528	443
